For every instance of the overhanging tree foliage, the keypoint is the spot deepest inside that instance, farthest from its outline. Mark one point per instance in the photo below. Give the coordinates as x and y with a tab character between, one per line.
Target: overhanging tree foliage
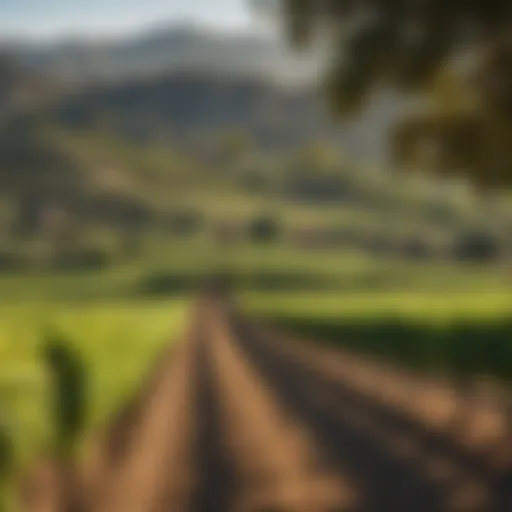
408	45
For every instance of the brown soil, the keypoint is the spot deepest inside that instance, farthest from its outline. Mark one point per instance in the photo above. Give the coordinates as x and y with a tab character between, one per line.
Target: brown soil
239	418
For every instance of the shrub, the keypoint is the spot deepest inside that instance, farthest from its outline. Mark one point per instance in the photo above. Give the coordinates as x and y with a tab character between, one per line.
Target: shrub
263	229
87	258
377	244
477	246
120	211
10	261
416	248
183	222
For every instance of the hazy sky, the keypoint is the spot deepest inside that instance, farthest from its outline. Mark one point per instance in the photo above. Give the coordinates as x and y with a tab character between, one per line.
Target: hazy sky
56	18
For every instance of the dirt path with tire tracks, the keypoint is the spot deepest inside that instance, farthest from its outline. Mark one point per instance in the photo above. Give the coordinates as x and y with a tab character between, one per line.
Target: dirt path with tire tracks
239	418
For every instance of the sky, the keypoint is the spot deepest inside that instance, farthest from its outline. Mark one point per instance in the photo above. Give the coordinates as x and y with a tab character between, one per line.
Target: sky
53	19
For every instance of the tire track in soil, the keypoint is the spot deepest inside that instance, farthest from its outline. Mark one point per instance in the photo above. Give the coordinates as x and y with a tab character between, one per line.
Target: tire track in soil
471	480
216	481
157	472
350	426
108	450
278	465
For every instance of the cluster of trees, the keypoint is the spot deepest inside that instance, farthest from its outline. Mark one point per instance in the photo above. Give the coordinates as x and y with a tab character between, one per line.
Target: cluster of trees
53	199
54	196
83	246
465	246
418	215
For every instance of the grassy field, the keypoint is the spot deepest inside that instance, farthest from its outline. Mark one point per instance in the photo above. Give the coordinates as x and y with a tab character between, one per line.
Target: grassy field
117	336
464	332
416	305
421	313
432	315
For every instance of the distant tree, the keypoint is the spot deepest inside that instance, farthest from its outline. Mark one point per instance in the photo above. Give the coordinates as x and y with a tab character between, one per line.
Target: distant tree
30	213
121	211
10	260
478	246
81	258
264	229
183	222
416	248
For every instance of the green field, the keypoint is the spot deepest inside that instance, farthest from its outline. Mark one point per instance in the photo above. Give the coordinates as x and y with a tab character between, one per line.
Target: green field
117	338
426	314
433	316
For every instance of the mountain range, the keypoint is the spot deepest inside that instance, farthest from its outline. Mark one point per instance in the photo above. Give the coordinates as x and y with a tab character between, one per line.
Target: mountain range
187	79
163	49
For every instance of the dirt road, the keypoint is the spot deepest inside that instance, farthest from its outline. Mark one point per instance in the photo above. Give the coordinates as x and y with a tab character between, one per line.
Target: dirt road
240	418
